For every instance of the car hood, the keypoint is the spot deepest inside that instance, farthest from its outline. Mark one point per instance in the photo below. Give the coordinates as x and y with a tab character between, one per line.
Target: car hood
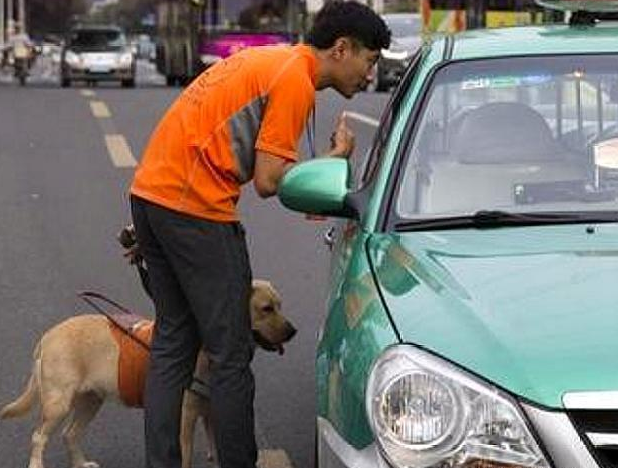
533	310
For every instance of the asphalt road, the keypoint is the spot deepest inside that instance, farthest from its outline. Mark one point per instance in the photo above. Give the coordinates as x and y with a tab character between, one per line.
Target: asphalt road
66	160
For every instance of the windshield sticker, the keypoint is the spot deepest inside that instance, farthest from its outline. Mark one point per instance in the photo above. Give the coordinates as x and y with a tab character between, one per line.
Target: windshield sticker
505	81
477	83
494	82
536	79
497	82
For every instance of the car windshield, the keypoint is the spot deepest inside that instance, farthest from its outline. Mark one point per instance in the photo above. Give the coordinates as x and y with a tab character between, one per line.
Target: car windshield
97	39
536	134
403	25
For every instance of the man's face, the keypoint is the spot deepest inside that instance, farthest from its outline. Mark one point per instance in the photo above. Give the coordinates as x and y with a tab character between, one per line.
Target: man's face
355	69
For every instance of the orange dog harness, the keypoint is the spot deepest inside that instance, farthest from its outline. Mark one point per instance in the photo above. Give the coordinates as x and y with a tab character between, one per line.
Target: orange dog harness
133	360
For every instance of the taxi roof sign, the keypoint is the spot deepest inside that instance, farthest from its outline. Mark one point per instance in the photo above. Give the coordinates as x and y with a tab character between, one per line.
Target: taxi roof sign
593	6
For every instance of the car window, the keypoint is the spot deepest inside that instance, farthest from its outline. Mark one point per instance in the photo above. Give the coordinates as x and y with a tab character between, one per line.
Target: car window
363	168
536	133
97	39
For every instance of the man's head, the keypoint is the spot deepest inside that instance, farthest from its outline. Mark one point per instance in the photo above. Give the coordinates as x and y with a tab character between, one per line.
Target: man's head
348	37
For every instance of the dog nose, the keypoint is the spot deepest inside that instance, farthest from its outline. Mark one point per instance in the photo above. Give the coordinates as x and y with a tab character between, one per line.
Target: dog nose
290	331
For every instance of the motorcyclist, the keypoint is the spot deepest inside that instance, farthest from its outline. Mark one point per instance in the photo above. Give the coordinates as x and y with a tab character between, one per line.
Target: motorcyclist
21	49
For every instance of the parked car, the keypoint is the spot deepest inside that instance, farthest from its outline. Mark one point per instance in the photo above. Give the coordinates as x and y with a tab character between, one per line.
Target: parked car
97	53
406	38
471	320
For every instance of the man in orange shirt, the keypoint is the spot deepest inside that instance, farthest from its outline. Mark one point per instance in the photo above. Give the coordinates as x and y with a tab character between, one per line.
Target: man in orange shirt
240	120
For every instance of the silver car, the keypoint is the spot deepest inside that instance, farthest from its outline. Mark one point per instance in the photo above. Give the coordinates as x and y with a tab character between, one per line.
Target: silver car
406	38
97	53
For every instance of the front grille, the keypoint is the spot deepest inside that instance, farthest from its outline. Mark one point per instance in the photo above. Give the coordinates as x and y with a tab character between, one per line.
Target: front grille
599	431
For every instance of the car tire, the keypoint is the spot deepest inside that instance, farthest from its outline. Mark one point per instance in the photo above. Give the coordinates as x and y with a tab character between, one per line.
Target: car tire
170	80
65	83
130	83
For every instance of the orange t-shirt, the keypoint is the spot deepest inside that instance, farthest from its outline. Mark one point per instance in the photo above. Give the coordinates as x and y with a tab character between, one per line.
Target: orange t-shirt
204	148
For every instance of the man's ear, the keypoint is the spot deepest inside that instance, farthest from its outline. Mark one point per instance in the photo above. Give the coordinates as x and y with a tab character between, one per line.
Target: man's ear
341	47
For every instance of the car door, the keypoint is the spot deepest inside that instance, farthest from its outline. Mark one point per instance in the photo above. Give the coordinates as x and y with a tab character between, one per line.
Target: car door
340	236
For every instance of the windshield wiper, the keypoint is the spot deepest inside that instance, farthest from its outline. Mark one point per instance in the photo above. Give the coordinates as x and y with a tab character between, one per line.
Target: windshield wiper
487	219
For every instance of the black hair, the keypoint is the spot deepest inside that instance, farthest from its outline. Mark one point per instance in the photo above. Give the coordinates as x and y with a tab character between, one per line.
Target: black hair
340	18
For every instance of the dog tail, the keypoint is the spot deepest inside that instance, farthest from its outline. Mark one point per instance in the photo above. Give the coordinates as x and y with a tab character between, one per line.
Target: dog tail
26	400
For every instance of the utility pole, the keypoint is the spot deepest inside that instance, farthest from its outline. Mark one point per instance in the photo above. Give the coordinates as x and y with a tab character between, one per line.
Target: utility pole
10	25
2	29
21	16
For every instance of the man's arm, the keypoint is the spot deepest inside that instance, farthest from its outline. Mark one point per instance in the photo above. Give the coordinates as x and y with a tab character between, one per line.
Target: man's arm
270	169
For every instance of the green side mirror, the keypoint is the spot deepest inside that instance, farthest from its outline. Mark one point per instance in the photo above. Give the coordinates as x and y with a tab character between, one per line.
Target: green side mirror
318	186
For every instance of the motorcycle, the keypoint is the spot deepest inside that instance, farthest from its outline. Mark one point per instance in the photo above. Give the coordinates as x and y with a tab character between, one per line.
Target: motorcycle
21	69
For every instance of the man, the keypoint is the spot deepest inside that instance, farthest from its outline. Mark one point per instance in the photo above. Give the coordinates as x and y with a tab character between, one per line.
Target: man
21	47
239	120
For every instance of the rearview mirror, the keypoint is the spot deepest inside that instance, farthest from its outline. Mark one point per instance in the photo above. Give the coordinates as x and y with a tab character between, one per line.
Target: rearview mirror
318	186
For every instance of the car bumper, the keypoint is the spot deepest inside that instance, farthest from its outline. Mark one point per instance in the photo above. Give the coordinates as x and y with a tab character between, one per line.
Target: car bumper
561	441
335	452
92	75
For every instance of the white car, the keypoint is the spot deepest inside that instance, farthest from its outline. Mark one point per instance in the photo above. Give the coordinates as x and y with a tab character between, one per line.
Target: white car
97	53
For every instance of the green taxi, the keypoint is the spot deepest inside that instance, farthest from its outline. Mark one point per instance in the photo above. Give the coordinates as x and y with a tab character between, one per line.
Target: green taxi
473	310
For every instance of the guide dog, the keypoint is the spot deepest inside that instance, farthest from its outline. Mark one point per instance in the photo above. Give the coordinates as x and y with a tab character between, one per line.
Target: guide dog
78	365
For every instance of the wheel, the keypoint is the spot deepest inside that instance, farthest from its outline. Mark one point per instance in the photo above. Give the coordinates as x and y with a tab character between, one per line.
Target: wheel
170	80
22	79
65	82
130	83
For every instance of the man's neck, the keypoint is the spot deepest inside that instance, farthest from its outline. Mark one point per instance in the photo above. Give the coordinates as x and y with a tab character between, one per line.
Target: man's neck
323	78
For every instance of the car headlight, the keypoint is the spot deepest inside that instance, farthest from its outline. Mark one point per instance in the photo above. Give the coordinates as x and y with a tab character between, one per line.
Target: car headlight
72	58
125	58
395	54
426	412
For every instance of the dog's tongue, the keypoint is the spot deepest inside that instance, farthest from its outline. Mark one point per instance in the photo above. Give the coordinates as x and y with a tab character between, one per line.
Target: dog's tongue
280	349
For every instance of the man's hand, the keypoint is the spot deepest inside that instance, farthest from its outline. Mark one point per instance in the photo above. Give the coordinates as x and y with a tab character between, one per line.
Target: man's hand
342	139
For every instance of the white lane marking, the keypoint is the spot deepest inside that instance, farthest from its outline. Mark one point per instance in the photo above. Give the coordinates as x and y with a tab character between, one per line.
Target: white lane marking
269	458
100	110
119	151
87	93
362	118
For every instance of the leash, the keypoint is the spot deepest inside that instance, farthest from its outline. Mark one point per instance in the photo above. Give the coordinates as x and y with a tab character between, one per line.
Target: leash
92	298
89	297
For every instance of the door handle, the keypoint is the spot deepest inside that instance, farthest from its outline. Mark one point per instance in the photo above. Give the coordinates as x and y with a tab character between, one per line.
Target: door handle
329	237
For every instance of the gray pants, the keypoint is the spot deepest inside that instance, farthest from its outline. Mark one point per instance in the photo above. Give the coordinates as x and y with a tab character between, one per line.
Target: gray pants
200	278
